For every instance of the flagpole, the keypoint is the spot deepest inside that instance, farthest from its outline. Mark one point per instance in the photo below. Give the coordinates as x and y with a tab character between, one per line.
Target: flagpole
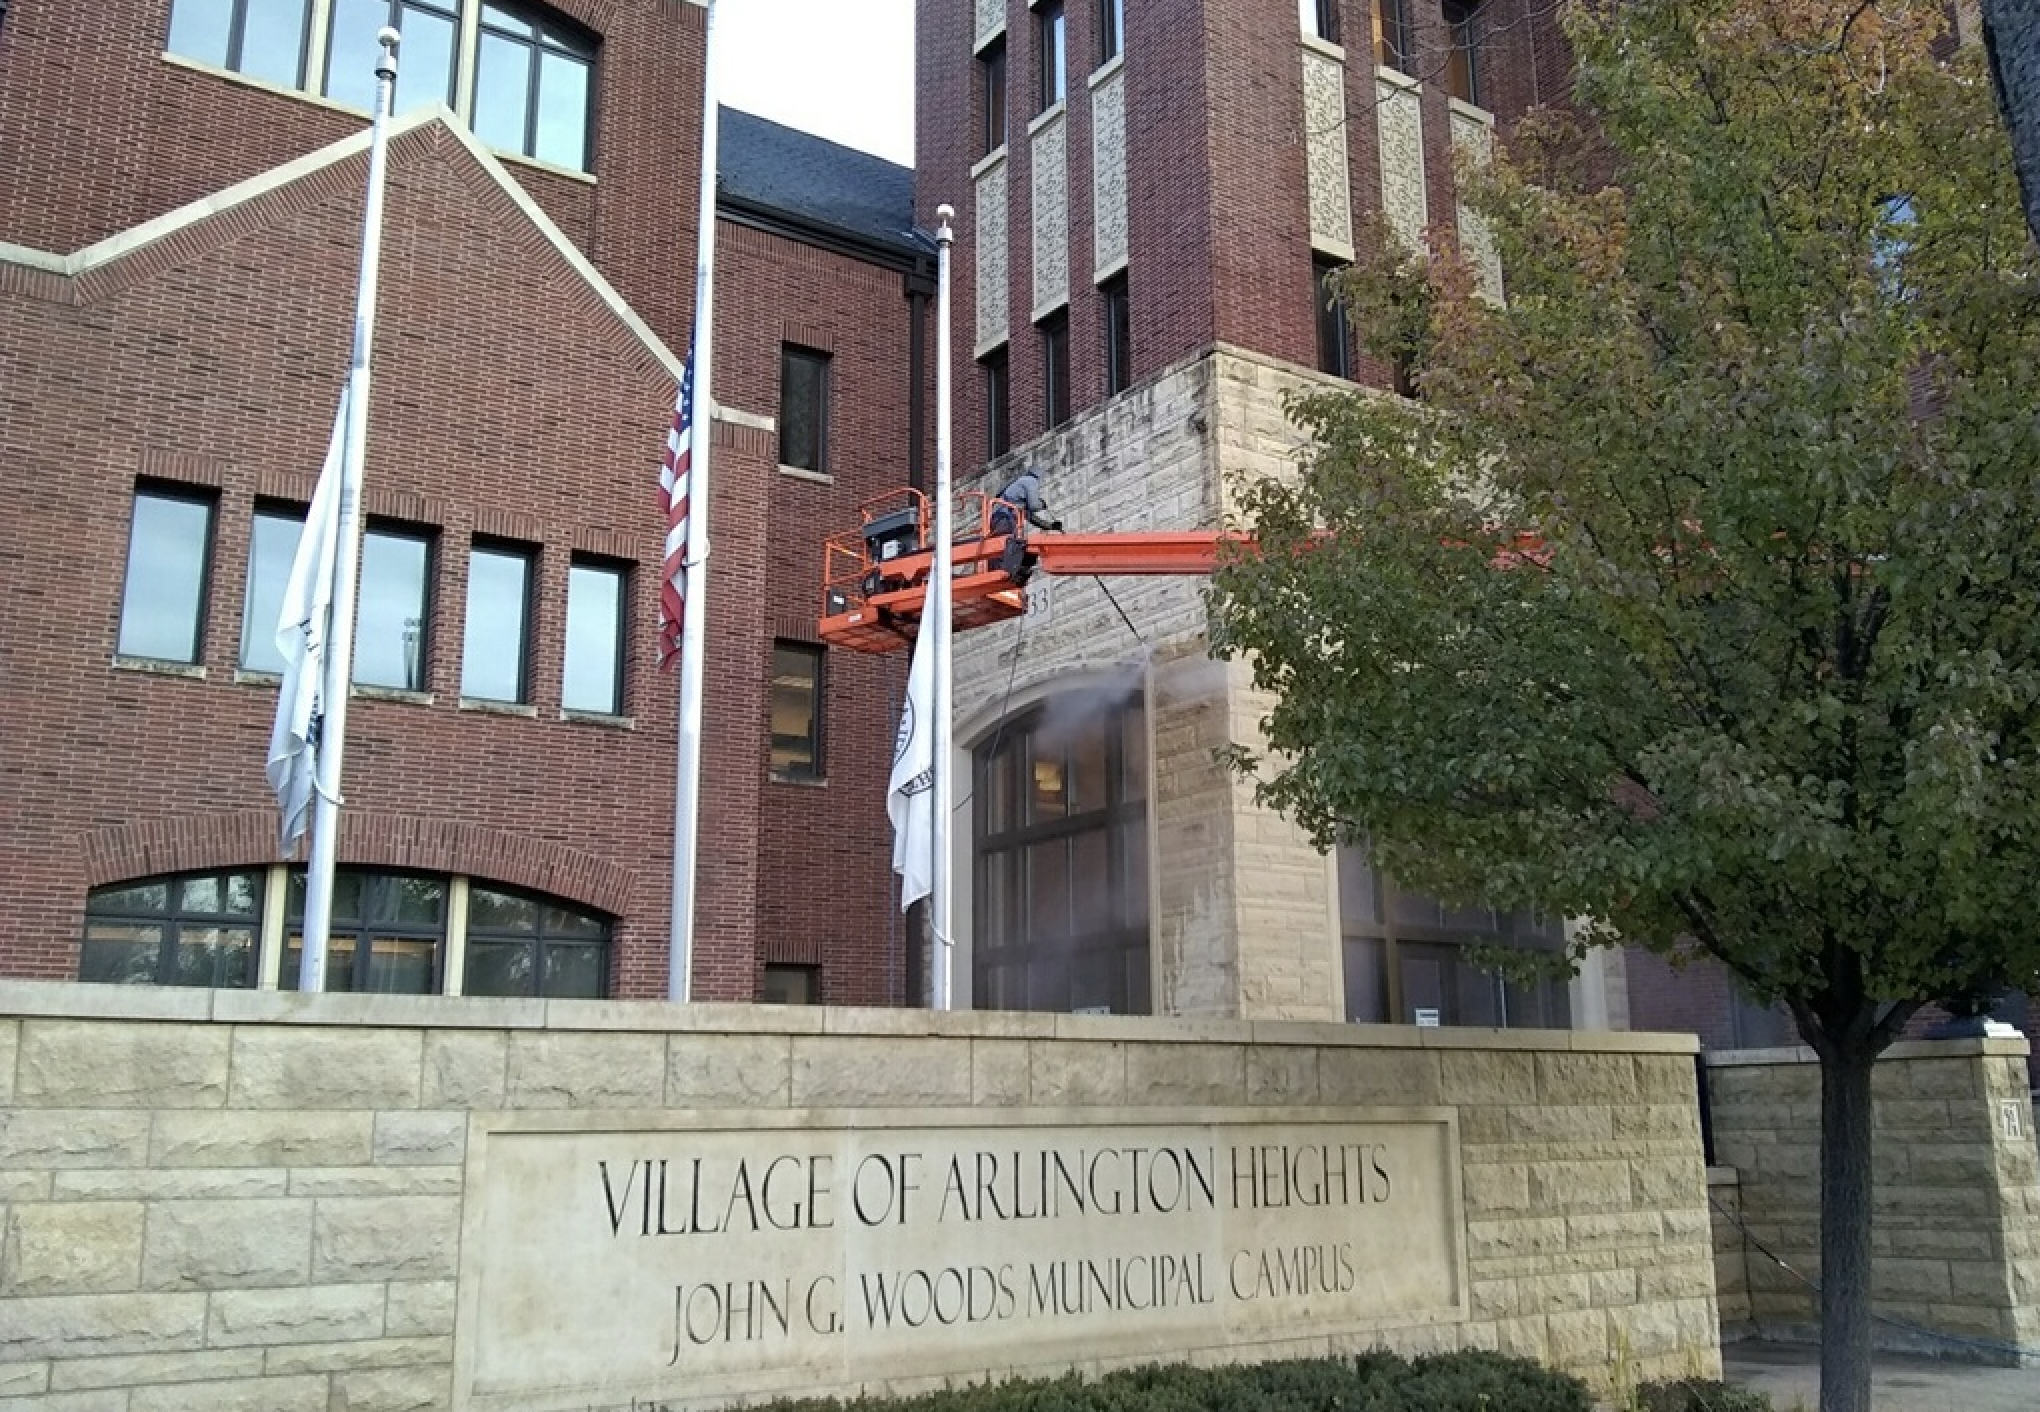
940	616
339	663
694	607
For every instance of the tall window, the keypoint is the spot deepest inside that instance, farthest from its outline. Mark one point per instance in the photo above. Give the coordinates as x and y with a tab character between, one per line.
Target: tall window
1061	883
388	932
1409	959
796	711
1334	341
803	408
594	665
272	544
522	944
162	605
1118	335
1391	35
1055	368
425	74
533	77
199	930
1320	19
1050	62
390	638
529	73
261	38
992	81
1462	63
1111	30
496	643
998	404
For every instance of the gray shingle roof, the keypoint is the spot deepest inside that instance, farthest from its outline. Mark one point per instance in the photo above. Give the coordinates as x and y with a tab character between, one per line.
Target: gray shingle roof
813	180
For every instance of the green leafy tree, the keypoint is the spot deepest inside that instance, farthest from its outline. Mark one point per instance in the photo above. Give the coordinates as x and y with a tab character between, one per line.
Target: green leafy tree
1699	593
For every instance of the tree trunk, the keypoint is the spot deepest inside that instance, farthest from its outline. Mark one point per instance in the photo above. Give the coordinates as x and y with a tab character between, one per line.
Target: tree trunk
2011	37
1845	1149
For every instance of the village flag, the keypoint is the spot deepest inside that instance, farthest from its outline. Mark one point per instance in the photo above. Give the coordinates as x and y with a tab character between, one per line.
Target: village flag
303	628
911	800
674	476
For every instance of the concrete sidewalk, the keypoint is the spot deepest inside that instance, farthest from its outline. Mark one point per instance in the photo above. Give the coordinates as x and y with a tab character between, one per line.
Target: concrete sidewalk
1790	1373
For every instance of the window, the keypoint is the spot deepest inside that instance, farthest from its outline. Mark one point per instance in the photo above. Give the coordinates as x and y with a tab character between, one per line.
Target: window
1055	368
786	984
272	545
1048	49
1111	30
523	944
162	605
1391	35
1060	884
431	30
992	117
260	38
998	405
594	656
1409	959
387	933
1320	19
1118	336
803	408
496	645
195	930
796	711
520	75
532	83
390	630
1462	62
1334	345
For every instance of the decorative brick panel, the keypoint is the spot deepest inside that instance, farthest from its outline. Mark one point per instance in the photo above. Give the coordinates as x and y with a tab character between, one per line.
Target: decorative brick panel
1108	174
1399	117
1051	212
990	248
1324	135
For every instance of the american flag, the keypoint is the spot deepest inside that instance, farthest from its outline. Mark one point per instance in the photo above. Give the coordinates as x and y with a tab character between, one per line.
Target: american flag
673	491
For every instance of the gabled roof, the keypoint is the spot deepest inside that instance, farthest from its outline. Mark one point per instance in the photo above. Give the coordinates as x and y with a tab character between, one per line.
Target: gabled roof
768	169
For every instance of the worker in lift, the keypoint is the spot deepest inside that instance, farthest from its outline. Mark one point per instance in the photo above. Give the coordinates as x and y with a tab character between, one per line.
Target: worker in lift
1023	493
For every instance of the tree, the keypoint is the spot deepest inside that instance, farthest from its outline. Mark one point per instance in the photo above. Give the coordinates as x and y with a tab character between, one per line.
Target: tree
2011	37
1698	595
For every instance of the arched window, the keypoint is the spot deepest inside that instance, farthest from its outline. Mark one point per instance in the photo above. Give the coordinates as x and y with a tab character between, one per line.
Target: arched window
1409	959
1060	871
393	932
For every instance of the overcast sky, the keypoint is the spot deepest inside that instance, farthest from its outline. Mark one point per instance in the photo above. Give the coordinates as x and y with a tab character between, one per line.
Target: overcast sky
842	69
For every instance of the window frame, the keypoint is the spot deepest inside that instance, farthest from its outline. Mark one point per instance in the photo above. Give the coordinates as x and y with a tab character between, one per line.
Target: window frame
419	665
527	557
539	939
363	931
808	974
816	659
1391	22
1319	19
1464	72
998	366
815	366
173	492
553	33
1116	311
1055	368
620	697
1111	31
172	921
1334	330
994	110
1051	55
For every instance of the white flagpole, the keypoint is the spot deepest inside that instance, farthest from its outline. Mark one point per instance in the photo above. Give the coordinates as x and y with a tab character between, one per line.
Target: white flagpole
694	608
346	570
940	620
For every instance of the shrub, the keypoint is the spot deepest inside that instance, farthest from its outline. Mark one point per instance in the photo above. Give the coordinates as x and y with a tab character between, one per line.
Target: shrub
1699	1395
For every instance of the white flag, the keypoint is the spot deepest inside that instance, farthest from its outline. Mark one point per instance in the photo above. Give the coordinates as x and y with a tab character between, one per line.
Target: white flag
911	800
302	629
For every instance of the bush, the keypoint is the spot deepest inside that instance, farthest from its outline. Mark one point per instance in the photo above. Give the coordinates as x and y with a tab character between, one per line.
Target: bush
1699	1395
1470	1381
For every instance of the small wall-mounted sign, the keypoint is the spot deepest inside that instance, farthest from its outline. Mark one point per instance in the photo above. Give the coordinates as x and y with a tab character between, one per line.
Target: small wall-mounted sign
2011	1117
1427	1019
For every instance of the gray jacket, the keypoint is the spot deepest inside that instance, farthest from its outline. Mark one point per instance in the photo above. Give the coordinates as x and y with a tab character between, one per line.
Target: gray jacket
1024	492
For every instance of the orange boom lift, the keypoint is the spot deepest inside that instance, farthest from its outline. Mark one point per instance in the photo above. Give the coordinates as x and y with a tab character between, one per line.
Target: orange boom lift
875	577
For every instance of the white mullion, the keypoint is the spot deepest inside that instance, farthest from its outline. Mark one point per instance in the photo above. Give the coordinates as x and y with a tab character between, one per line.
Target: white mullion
464	63
454	971
315	46
269	941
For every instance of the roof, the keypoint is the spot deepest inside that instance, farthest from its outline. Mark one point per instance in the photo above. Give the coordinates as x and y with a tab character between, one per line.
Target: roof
816	183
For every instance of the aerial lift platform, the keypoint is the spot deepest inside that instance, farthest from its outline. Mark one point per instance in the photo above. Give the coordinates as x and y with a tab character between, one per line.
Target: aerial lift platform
875	577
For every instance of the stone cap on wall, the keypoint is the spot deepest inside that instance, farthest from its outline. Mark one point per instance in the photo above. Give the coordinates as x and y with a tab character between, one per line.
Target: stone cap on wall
1961	1048
77	1000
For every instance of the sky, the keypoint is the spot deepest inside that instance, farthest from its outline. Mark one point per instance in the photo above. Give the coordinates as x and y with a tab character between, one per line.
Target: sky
841	69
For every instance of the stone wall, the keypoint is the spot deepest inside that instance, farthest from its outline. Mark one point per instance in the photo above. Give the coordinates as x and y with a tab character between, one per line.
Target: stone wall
248	1200
1956	1204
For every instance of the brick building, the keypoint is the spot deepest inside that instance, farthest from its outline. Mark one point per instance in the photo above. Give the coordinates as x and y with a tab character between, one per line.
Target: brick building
181	217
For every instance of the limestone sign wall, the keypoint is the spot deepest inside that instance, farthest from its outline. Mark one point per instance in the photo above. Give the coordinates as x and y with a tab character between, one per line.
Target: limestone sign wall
232	1199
